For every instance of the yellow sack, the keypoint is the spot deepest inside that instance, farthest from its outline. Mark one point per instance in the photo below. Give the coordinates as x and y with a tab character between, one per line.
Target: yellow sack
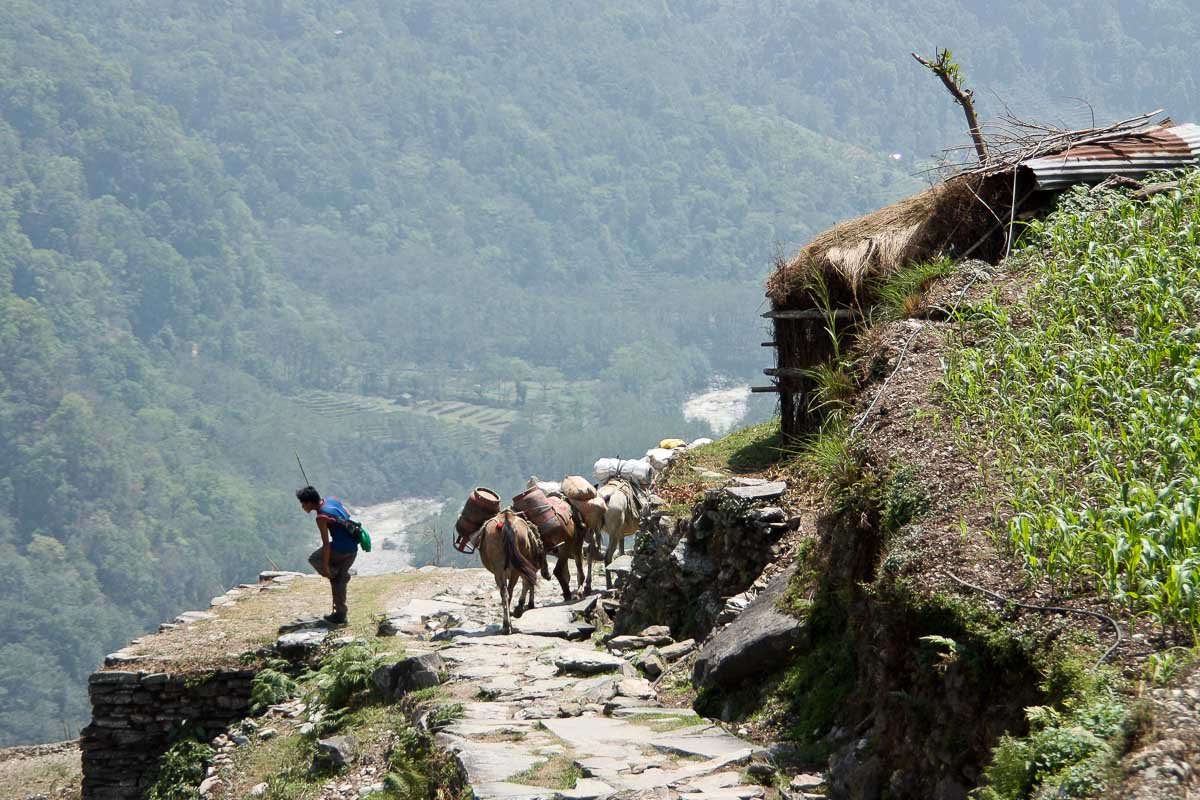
671	444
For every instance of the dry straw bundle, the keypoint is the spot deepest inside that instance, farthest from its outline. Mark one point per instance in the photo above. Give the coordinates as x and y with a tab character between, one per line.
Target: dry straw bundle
947	219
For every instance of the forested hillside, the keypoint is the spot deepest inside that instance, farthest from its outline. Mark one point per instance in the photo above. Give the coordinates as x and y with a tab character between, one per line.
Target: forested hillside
424	244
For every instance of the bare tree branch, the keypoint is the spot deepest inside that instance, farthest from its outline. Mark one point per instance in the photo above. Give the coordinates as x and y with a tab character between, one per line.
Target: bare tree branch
951	76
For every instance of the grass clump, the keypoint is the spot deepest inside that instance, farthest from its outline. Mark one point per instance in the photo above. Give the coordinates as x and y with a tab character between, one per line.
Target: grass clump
1086	391
902	294
556	772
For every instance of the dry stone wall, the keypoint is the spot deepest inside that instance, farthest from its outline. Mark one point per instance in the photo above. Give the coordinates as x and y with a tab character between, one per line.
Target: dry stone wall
137	715
696	573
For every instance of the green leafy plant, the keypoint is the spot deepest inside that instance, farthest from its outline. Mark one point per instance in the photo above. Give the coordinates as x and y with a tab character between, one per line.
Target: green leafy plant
180	771
271	685
1066	754
947	649
1162	667
1086	392
416	768
344	677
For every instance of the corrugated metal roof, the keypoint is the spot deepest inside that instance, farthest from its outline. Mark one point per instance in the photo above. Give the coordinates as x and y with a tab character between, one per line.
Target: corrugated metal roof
1131	155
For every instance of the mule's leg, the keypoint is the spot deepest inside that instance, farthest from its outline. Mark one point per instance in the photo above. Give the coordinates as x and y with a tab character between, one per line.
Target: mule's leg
512	582
613	538
579	537
562	571
502	584
587	544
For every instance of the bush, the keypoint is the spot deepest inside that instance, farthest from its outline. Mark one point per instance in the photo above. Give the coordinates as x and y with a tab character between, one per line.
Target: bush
271	686
344	678
1066	754
180	771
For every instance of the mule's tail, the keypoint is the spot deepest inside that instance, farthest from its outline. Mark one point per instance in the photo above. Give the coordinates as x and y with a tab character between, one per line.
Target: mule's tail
513	554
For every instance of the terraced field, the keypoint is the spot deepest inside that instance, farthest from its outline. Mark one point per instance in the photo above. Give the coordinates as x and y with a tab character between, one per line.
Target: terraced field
369	414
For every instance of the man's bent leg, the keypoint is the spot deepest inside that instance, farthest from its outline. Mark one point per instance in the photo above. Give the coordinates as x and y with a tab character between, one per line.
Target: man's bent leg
339	567
317	561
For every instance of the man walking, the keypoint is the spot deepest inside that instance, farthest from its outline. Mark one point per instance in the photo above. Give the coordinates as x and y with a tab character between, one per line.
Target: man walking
338	547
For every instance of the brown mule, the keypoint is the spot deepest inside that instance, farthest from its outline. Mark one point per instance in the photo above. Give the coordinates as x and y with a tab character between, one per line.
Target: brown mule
506	550
565	540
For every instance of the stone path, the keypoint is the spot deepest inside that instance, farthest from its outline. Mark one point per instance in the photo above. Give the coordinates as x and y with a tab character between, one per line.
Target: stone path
544	702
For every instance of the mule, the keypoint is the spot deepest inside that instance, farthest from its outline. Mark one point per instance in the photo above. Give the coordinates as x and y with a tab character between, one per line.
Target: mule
507	551
621	519
566	541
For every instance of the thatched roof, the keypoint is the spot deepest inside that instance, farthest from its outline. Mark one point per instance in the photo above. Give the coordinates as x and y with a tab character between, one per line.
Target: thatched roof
946	219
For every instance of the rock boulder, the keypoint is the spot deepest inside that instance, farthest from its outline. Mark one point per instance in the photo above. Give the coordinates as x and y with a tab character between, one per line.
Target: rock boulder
753	643
409	674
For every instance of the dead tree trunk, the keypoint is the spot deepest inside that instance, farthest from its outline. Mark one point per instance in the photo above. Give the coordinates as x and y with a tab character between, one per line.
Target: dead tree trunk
948	70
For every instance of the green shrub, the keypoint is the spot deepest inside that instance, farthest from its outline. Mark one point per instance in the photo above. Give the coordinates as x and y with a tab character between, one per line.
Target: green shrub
180	771
344	677
271	685
1067	753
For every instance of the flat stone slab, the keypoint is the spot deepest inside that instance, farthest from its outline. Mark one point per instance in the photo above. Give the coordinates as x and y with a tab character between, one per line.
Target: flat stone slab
587	662
635	687
558	621
303	623
500	726
489	762
634	712
708	783
467	632
188	617
621	643
585	789
501	790
714	743
300	641
621	565
747	792
600	736
765	491
282	576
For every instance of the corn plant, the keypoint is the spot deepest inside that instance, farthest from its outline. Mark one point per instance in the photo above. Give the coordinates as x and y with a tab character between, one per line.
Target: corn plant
1088	389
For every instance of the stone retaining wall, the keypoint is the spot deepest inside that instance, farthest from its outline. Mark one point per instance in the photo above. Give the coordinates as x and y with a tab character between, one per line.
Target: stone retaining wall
137	715
686	572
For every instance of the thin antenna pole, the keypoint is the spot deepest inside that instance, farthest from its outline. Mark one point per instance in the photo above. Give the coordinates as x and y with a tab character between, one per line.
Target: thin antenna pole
306	483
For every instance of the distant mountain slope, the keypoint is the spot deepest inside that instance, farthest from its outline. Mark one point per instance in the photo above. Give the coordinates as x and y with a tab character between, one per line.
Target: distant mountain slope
208	210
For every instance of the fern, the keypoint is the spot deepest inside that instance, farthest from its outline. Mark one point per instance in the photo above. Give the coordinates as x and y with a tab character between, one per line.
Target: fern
344	677
271	686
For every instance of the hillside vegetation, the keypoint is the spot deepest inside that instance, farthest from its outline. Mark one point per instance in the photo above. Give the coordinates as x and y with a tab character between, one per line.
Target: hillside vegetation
1026	486
1086	393
233	231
